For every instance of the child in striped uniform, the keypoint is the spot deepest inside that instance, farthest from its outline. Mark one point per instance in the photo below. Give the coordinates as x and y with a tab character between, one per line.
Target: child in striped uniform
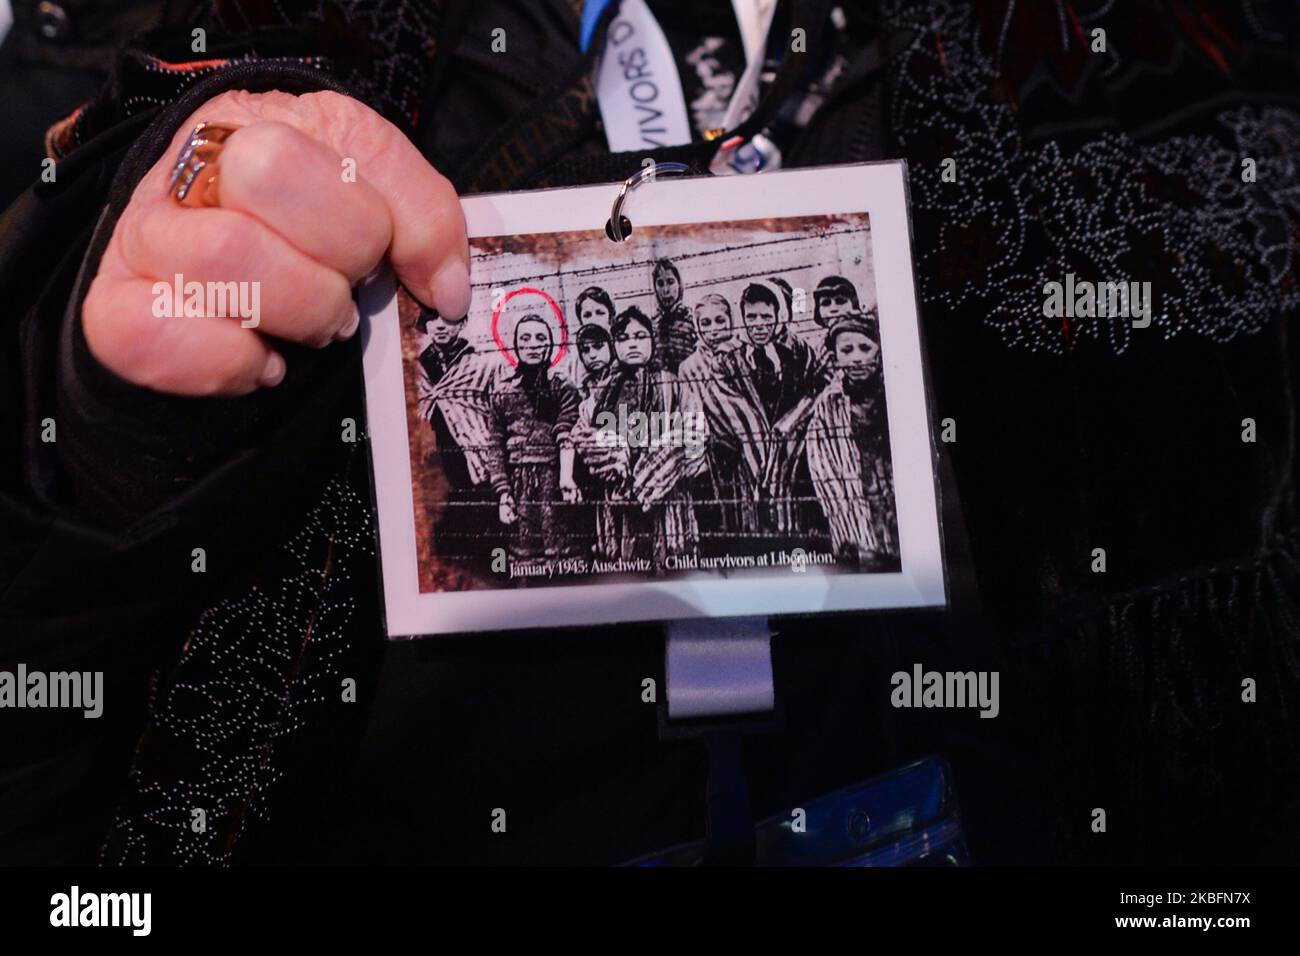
847	448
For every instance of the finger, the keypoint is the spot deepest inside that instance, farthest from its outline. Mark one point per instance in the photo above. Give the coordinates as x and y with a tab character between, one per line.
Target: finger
299	187
429	251
281	291
185	356
428	248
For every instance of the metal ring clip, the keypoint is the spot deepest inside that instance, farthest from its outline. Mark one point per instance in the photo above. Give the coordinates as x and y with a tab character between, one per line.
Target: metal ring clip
636	179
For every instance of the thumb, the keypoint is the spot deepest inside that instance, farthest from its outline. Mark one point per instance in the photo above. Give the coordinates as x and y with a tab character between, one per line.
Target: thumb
429	251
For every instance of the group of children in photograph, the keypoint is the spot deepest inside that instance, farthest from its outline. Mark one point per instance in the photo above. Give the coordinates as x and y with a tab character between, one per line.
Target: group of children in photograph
791	444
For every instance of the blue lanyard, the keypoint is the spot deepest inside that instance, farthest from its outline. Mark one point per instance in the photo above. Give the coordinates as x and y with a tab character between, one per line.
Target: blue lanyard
591	11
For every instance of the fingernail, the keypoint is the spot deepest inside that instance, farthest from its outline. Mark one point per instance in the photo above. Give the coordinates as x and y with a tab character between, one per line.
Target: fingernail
273	373
350	328
450	289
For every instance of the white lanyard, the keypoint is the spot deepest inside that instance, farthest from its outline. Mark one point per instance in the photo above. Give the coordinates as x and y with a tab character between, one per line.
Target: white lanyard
754	17
638	87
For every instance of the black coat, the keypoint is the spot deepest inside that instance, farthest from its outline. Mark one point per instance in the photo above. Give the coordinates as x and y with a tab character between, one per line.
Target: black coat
1120	689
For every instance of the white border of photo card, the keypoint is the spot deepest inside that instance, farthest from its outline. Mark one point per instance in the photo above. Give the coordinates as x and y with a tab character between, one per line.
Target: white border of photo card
880	190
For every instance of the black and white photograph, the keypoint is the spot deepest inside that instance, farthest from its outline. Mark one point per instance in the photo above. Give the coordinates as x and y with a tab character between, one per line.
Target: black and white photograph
708	400
726	407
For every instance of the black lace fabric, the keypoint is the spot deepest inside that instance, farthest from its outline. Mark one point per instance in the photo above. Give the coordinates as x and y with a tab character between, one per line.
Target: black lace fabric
382	48
1072	161
266	687
1088	433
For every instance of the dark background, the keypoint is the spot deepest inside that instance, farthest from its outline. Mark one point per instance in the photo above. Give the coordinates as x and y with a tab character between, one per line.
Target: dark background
551	726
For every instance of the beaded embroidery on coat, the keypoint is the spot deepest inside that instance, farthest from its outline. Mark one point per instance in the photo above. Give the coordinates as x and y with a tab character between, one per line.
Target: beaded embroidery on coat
1222	253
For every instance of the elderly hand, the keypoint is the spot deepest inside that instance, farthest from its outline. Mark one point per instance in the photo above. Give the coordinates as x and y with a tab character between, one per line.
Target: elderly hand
312	192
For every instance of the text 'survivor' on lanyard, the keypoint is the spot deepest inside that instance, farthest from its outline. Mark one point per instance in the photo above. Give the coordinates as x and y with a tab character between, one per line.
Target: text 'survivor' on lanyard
638	88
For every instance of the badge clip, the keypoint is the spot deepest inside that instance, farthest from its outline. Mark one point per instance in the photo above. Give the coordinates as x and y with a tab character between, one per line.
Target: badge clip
619	226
